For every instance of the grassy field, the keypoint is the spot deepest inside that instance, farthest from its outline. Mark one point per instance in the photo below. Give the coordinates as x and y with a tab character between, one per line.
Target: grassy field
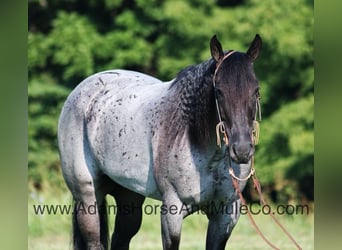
52	231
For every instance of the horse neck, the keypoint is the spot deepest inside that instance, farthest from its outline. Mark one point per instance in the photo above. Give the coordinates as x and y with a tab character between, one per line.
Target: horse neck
193	104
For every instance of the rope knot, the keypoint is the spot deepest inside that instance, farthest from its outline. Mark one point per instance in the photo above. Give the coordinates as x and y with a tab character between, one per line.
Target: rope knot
256	132
220	128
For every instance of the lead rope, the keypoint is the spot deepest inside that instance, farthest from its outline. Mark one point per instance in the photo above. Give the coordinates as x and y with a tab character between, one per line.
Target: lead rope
257	186
236	186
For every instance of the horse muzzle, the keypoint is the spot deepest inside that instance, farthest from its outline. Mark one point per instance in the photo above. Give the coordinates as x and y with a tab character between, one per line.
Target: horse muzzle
241	151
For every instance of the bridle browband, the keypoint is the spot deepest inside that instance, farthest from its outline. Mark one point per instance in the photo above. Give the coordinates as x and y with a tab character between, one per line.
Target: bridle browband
220	127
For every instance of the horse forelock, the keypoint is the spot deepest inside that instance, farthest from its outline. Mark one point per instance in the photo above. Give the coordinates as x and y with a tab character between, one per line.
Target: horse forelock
238	82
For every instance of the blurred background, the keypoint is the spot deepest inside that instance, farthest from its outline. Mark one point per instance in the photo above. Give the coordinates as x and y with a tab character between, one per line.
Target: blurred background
70	39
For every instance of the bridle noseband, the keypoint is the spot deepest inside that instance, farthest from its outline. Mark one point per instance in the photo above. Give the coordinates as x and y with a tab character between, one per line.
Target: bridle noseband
220	127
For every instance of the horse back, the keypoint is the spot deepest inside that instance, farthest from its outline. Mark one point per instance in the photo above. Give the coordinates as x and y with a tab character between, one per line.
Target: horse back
113	111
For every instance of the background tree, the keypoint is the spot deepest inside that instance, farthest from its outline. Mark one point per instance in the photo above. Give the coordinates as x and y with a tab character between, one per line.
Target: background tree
71	39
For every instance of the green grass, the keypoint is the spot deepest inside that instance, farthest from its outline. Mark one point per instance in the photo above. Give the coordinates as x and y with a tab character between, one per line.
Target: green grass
54	231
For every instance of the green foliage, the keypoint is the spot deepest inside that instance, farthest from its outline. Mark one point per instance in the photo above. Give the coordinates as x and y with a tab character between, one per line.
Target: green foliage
286	155
45	102
74	45
71	39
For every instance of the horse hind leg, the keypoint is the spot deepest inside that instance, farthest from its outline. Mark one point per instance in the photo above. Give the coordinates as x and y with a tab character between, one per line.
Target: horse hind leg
88	218
90	229
104	224
83	178
90	226
128	216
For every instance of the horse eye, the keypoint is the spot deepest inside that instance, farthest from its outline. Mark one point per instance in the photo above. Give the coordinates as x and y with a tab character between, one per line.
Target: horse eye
257	94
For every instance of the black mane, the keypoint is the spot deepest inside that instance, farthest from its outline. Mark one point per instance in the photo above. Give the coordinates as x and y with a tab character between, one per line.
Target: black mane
192	103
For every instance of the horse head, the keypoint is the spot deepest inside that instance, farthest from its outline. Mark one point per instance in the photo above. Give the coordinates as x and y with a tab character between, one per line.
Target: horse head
237	96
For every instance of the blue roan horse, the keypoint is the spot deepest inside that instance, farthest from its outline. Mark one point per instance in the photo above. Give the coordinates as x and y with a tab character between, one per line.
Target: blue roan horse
133	136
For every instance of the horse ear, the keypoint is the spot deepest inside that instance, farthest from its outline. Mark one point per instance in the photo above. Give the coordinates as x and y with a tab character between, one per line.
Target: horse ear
255	47
216	49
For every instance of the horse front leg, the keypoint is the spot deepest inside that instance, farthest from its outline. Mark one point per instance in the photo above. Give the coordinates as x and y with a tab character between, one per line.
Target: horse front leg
172	214
222	220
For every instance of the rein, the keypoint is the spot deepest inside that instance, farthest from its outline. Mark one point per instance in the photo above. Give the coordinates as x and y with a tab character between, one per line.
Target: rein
221	129
257	186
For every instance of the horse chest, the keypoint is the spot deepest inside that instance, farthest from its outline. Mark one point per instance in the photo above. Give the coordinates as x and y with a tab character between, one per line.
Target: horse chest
198	178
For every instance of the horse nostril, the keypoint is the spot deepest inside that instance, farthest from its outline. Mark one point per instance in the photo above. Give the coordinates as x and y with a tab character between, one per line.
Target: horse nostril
241	152
234	153
234	149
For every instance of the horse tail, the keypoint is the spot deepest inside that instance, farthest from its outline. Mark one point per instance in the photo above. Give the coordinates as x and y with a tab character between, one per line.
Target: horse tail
78	241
